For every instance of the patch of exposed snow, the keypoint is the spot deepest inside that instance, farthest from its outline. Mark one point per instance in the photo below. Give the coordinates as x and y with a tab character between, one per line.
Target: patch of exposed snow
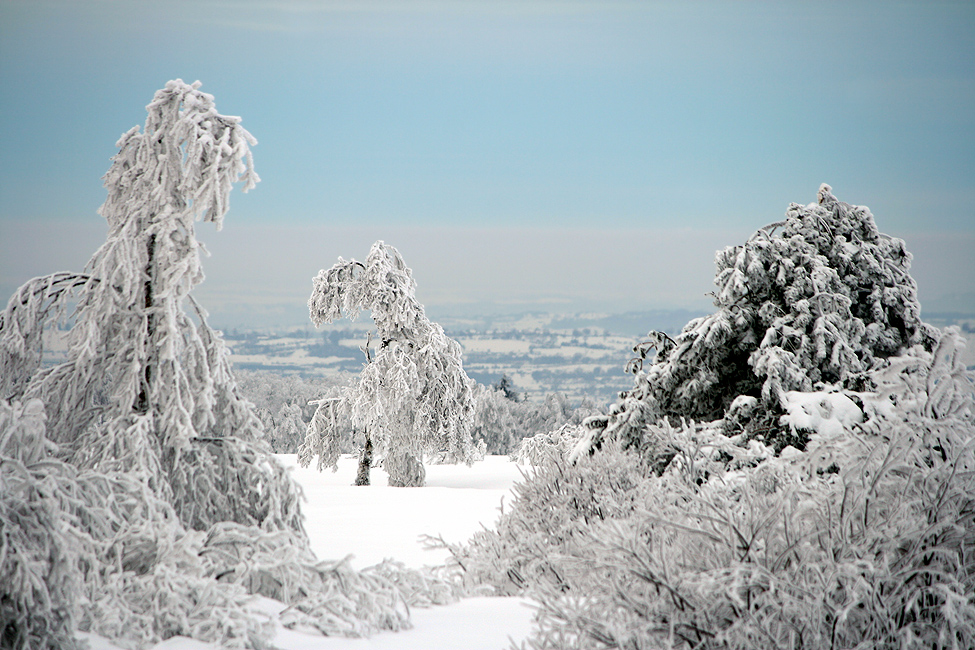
826	413
375	522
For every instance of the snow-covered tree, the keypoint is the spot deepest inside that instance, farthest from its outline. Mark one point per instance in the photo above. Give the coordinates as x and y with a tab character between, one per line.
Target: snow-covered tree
138	498
285	405
147	384
503	424
413	396
811	300
507	387
495	421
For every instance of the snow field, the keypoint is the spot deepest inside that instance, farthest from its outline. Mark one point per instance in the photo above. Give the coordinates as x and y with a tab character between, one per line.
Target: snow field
375	522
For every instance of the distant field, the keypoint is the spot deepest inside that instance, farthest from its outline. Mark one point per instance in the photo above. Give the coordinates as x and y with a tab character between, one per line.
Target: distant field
581	355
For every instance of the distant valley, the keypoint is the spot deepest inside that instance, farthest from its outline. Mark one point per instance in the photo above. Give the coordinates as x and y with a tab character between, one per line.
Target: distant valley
579	355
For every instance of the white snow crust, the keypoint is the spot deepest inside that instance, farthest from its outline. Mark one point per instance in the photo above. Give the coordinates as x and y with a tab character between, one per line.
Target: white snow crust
826	413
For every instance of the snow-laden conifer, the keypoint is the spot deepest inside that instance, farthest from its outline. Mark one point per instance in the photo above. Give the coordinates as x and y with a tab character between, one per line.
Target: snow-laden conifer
413	396
147	504
811	300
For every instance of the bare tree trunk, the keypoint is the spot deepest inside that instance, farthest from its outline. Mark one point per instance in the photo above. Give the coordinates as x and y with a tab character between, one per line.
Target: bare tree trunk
365	462
142	402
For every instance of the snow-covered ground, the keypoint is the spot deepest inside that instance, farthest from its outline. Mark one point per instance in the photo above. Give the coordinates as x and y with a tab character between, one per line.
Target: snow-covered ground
377	522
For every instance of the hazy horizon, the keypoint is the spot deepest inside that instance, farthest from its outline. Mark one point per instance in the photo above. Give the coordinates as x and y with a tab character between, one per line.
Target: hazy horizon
260	276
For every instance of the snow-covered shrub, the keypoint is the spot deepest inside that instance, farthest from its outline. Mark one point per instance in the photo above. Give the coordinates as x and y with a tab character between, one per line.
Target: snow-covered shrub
289	429
865	539
534	450
413	397
495	421
814	299
877	554
39	573
284	404
98	551
502	423
550	515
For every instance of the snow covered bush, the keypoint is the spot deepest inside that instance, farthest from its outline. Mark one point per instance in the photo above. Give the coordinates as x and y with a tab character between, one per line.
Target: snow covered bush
38	574
413	397
284	405
552	511
535	450
90	550
785	553
814	299
147	504
503	423
495	421
863	540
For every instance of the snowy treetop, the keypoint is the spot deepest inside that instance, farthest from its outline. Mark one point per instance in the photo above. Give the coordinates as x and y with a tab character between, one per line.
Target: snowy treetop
183	163
819	298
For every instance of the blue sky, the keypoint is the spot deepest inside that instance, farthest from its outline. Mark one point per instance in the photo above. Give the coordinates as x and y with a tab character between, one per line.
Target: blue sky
549	121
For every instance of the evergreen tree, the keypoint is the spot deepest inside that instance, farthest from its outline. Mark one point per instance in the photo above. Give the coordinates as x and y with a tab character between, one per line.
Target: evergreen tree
507	387
812	300
413	397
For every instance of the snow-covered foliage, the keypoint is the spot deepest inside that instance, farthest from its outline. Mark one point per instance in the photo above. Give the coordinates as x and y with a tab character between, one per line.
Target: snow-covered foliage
139	498
39	549
535	450
99	551
413	397
863	540
814	299
503	423
284	404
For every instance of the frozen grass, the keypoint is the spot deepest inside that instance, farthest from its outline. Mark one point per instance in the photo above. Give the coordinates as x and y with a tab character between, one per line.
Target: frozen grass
376	522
